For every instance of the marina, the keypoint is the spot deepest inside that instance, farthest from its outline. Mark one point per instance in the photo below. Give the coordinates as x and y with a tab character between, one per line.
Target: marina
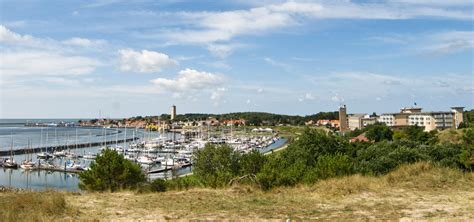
161	154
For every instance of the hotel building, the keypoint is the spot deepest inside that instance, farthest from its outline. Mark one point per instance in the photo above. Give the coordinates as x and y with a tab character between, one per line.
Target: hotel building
429	120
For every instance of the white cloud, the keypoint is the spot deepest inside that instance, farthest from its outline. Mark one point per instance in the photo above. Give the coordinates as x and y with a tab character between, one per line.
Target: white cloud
435	2
144	61
25	55
451	42
84	42
218	27
220	50
358	86
45	63
217	95
190	80
309	96
9	37
282	65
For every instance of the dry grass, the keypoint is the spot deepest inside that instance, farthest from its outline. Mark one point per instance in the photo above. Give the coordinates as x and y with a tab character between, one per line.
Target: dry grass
34	206
418	191
450	135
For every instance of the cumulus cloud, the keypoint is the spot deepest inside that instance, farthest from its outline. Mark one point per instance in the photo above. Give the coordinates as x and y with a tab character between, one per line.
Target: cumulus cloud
190	80
144	61
12	38
26	55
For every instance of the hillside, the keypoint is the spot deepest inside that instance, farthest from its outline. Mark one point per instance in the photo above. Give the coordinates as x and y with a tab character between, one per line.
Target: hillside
418	191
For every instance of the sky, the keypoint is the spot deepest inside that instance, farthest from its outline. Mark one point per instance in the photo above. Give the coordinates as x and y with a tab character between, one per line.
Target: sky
120	58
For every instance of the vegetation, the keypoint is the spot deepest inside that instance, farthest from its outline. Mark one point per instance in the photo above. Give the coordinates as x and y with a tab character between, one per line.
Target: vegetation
420	191
111	172
252	118
317	154
33	206
378	132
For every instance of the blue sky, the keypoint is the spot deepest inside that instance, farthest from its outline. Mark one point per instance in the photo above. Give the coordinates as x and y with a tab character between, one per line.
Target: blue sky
122	58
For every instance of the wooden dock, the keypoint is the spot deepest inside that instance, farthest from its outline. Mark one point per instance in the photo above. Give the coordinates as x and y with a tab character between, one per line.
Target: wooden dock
62	147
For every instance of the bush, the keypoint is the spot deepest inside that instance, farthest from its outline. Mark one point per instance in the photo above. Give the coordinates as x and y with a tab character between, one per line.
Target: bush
378	132
158	185
382	157
251	163
184	183
329	166
110	171
215	165
291	165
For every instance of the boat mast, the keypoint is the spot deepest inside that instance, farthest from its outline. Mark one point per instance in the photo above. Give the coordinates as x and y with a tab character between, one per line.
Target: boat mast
11	149
46	140
76	138
41	139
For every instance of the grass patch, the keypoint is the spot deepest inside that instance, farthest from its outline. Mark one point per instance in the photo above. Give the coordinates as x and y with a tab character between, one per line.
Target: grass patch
33	206
416	191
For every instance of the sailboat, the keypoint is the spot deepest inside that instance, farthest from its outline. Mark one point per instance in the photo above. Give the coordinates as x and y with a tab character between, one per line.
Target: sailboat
44	155
28	164
10	163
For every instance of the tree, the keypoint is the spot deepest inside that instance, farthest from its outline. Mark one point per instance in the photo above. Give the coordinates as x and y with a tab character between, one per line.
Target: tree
467	153
216	165
378	132
110	171
252	163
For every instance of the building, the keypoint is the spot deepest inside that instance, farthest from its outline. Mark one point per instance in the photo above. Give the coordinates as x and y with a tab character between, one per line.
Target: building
173	112
438	120
326	122
355	121
343	124
359	138
368	120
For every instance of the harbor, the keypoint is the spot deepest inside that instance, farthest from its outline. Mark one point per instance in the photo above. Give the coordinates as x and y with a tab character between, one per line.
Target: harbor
161	154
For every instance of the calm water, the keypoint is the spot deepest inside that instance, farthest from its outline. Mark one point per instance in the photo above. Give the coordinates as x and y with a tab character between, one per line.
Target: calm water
51	136
14	130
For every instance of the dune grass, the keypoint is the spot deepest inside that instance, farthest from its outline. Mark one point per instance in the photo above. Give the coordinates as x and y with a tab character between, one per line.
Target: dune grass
417	191
34	206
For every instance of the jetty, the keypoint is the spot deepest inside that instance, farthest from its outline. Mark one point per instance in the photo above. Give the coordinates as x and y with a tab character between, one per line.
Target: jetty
161	170
63	147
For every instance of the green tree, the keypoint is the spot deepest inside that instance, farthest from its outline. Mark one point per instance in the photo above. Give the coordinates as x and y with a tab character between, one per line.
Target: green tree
378	132
110	171
329	166
252	162
467	153
216	165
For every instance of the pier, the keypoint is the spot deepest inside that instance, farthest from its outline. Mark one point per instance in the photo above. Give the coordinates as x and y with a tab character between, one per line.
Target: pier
62	147
161	170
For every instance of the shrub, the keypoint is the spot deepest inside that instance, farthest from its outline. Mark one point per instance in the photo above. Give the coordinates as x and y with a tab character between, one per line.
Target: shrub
158	185
252	163
110	171
291	165
378	132
329	166
215	165
382	157
184	183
